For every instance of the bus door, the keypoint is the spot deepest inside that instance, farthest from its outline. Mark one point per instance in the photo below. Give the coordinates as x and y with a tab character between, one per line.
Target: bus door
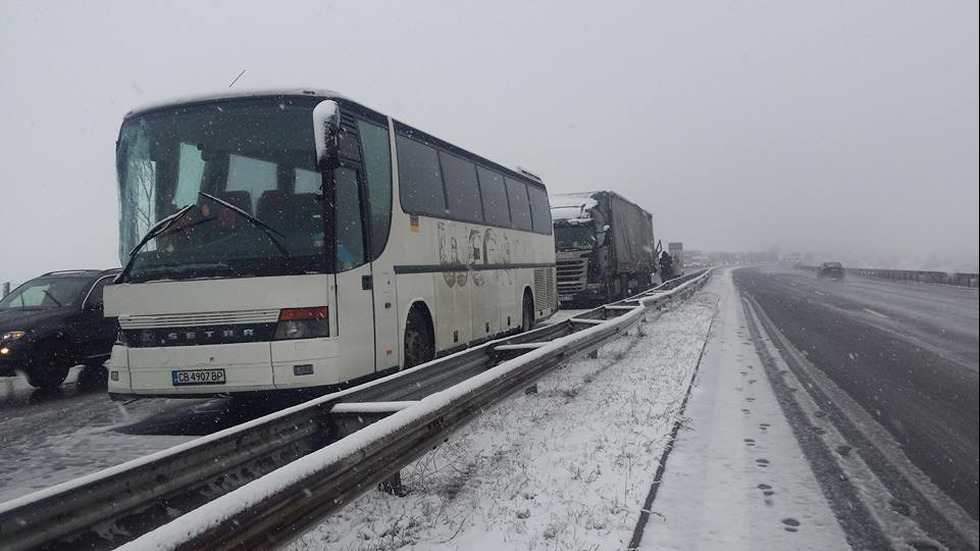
353	282
376	174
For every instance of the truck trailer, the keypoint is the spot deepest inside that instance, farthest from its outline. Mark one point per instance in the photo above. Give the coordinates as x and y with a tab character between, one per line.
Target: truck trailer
603	247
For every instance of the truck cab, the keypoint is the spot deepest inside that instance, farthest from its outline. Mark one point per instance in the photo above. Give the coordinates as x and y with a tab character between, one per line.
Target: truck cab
603	247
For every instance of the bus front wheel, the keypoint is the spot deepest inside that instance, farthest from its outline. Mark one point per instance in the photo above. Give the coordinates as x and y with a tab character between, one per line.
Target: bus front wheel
419	347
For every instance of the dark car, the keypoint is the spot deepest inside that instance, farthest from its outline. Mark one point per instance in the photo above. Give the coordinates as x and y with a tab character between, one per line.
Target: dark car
832	270
54	322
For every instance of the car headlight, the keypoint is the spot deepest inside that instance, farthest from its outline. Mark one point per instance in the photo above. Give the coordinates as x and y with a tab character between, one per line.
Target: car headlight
12	335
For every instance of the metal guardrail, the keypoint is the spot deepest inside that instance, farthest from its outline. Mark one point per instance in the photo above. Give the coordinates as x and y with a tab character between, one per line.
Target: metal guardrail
959	279
111	507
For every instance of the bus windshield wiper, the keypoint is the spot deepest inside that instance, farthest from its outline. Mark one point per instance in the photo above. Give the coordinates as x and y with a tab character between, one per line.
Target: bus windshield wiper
268	230
158	228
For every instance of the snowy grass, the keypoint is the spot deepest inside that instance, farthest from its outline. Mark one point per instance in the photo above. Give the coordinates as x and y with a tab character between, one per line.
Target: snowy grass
564	468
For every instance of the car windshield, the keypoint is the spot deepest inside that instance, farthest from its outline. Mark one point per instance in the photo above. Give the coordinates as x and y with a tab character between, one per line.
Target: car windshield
577	237
253	155
43	293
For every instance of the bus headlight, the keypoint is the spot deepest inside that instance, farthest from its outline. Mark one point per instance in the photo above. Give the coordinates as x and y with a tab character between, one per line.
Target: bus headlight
303	323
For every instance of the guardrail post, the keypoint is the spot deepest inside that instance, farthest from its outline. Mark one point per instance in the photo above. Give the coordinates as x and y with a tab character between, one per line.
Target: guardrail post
393	485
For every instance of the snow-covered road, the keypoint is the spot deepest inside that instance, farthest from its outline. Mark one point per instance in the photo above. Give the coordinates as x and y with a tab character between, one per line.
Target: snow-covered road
51	437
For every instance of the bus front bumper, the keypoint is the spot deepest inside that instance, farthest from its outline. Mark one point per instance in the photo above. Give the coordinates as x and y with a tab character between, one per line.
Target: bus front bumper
217	370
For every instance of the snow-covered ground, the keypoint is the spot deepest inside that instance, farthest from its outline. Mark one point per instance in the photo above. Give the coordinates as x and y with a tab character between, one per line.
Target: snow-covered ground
736	478
567	467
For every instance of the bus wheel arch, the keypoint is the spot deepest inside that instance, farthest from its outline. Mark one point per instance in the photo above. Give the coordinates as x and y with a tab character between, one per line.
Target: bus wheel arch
527	310
420	337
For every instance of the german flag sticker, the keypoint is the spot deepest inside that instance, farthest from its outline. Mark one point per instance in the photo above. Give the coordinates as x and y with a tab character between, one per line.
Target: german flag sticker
413	223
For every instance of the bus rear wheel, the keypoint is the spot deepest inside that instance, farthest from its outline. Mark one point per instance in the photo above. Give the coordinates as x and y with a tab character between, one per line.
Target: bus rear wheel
527	312
419	347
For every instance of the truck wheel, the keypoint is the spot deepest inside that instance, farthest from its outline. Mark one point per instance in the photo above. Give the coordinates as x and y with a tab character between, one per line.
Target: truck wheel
644	280
527	312
48	371
610	292
624	283
419	347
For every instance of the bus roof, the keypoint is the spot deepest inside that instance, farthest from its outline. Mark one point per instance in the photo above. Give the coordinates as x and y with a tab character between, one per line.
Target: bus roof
239	94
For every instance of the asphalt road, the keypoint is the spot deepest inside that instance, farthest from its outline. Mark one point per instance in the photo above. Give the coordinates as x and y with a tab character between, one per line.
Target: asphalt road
908	353
49	437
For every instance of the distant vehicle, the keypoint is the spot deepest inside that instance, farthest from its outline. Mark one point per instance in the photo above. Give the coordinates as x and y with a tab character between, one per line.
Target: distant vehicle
832	270
604	246
54	322
297	239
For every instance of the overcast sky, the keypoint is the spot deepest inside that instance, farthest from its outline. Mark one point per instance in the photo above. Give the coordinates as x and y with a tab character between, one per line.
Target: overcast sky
849	128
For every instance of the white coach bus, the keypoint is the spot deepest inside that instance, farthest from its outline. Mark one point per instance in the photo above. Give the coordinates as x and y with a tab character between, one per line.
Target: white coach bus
297	239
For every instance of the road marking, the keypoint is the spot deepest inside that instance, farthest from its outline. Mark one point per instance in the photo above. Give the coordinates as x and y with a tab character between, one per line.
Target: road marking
821	294
879	314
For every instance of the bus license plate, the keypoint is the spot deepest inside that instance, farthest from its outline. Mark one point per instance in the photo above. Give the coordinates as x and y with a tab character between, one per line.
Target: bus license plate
564	298
198	377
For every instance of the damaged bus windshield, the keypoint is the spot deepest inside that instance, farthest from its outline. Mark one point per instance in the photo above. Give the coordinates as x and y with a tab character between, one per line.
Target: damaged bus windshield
247	170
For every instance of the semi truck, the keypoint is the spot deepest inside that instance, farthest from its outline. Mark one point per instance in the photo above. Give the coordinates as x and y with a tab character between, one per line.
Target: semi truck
604	247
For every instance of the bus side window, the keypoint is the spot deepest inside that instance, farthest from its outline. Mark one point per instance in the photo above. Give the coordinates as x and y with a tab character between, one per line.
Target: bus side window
520	206
540	209
494	198
420	178
462	188
349	231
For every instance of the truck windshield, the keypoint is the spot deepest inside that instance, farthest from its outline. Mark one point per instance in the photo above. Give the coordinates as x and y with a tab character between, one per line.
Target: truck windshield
574	238
257	155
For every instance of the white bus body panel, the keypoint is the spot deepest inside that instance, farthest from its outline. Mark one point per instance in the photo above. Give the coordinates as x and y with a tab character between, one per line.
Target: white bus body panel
465	302
347	354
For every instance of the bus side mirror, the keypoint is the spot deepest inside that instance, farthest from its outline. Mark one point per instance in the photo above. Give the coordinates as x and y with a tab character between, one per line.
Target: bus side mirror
326	131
